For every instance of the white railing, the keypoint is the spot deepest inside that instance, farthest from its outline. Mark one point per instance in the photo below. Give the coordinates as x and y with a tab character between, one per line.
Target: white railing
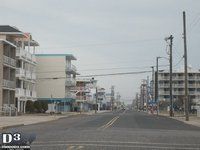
28	55
178	78
20	92
20	72
164	85
70	82
28	74
197	85
28	93
163	92
70	95
178	85
191	78
192	92
71	68
192	85
34	95
178	93
20	52
9	84
163	78
33	75
9	61
82	89
8	111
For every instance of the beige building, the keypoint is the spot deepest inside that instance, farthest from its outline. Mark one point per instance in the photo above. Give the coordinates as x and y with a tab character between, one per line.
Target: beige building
8	35
55	78
178	90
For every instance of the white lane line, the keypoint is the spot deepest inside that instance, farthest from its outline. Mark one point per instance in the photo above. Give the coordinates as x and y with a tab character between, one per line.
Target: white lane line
118	142
123	146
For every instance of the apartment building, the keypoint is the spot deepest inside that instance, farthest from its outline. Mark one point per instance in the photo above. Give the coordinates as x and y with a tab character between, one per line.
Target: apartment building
25	71
101	95
17	51
8	35
178	90
84	94
56	77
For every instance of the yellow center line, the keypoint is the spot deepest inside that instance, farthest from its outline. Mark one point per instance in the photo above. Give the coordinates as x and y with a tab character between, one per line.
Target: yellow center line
109	123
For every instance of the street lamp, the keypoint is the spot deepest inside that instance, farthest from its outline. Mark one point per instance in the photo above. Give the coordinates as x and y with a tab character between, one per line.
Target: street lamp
156	82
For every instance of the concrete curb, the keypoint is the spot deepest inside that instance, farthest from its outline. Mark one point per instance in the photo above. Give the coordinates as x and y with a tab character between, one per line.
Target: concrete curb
193	123
11	126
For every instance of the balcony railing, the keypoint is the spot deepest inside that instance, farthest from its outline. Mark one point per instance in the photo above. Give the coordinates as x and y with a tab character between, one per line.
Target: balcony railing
81	97
163	78
9	61
20	92
70	82
8	84
28	55
28	93
70	95
178	93
34	95
71	68
192	92
20	52
28	74
82	89
20	72
33	76
163	92
163	85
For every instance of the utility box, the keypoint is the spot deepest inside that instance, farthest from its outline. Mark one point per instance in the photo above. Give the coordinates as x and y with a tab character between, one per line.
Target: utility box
198	112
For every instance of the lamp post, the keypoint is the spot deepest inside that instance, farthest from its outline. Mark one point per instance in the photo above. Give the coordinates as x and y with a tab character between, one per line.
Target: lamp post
156	83
170	38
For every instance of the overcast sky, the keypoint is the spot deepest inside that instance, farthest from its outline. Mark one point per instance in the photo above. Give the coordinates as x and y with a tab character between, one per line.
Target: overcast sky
109	36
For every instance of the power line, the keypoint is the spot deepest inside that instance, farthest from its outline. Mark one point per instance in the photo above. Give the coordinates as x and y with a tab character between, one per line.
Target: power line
40	72
194	22
98	75
103	44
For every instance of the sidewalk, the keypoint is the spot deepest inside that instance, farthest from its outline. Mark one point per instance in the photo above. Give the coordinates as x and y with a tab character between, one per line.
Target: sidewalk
193	120
27	119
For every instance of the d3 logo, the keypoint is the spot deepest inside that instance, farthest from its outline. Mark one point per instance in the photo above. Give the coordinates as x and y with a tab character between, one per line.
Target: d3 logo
8	137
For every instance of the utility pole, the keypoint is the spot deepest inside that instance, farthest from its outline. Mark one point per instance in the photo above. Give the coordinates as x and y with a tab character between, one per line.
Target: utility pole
185	66
96	106
152	89
170	82
112	97
137	103
156	83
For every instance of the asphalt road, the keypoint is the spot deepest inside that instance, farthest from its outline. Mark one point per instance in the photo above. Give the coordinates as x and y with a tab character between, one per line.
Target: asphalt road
126	130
